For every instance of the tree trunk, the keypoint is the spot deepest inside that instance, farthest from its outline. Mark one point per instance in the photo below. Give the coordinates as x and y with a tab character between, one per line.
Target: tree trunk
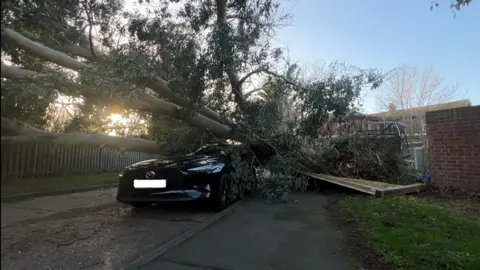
31	134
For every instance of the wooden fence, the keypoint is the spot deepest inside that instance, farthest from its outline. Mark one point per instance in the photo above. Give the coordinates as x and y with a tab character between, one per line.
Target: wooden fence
45	160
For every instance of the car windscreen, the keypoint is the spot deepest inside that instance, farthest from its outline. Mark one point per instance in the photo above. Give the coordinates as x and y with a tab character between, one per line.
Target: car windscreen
211	149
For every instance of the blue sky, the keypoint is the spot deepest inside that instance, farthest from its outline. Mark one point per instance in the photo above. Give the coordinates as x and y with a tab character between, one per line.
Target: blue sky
385	34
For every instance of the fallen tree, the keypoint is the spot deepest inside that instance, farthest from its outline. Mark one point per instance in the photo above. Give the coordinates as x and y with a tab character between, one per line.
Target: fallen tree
214	53
26	134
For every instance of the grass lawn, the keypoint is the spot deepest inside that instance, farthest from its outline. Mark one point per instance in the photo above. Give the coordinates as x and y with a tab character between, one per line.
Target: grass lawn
19	186
415	234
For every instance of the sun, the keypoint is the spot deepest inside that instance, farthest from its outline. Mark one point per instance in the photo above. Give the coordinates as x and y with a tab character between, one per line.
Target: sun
127	124
118	118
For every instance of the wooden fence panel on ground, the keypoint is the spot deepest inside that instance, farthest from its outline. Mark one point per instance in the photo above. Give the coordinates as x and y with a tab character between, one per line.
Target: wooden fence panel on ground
45	160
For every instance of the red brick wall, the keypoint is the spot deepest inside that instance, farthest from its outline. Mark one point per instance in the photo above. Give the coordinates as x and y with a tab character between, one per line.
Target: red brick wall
454	147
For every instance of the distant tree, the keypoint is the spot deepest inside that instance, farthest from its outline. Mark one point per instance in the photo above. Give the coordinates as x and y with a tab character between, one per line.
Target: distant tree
413	87
410	87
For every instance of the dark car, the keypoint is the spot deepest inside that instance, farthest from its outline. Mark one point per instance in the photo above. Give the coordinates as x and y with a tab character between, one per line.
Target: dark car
203	174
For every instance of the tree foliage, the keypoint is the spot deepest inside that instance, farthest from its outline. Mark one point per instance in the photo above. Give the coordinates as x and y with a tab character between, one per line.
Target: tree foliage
29	107
455	5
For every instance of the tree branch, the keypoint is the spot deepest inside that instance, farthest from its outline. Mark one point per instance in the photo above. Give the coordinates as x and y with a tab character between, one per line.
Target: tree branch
253	91
88	11
284	79
76	50
144	102
232	76
157	84
31	134
236	88
253	72
42	51
17	73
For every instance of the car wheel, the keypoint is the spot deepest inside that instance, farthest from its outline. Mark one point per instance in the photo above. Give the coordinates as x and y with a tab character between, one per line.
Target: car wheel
140	204
220	191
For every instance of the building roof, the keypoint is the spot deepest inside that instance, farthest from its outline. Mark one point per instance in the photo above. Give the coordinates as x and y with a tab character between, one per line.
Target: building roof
436	107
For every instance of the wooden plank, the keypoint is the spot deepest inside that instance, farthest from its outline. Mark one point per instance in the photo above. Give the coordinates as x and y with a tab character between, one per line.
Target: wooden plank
76	157
339	180
100	160
81	158
111	160
43	160
61	160
354	186
22	161
353	181
69	167
35	162
46	160
18	154
375	184
88	160
28	161
4	161
11	160
108	159
67	162
413	188
52	157
49	158
55	161
369	187
106	156
95	160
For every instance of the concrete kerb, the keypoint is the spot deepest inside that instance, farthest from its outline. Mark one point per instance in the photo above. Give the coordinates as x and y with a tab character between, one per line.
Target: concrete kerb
157	252
26	196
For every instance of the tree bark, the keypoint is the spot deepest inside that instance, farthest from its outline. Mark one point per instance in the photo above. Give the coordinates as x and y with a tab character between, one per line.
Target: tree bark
29	134
76	50
144	103
42	51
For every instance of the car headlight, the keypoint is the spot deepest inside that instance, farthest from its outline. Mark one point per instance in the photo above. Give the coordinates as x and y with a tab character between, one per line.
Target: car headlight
209	168
123	171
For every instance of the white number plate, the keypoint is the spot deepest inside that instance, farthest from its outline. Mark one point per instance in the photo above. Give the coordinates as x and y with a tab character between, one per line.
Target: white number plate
157	183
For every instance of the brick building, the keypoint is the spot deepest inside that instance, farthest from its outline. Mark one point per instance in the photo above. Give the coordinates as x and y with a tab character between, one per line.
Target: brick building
454	147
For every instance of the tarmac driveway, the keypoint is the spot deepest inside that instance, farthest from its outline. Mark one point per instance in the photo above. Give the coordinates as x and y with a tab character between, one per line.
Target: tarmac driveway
87	230
296	235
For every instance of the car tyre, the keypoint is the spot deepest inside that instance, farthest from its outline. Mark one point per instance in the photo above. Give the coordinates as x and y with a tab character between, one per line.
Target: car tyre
140	204
220	191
